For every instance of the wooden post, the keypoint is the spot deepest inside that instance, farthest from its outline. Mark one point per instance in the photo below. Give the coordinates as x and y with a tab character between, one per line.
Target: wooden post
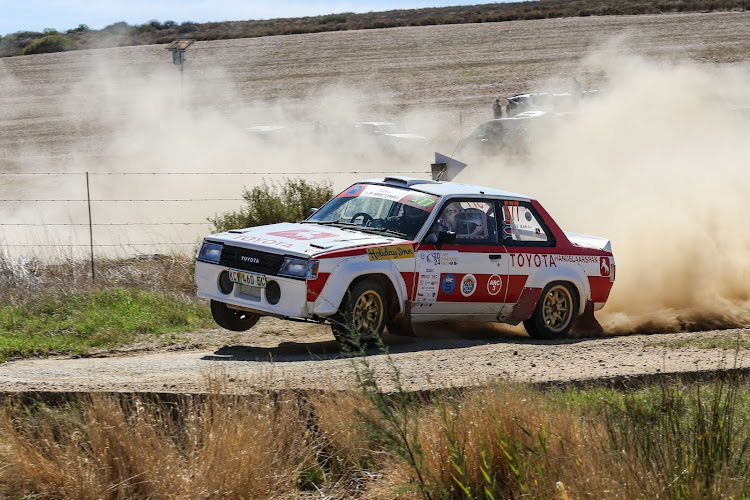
91	228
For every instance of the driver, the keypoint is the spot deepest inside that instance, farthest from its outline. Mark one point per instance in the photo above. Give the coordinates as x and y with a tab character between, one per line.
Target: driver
409	221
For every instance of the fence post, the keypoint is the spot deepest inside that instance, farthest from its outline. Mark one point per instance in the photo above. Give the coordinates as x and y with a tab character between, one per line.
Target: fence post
91	229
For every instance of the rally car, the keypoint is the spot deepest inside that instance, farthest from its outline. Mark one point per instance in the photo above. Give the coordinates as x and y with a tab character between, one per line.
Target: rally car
397	251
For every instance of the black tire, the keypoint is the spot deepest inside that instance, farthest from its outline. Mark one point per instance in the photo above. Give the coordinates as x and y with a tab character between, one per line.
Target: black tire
555	312
362	316
232	319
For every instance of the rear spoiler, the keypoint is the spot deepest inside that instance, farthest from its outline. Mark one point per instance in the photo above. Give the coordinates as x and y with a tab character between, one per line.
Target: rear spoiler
586	241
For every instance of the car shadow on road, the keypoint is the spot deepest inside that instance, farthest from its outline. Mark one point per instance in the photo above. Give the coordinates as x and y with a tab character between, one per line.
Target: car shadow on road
290	352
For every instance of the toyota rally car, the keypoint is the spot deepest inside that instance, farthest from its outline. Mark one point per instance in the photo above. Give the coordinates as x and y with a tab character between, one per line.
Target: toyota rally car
397	251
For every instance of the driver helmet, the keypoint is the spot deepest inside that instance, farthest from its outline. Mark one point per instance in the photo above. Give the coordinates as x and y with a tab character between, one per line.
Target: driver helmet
471	222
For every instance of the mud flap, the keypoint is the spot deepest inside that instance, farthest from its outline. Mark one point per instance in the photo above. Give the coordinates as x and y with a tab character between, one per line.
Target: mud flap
402	325
586	324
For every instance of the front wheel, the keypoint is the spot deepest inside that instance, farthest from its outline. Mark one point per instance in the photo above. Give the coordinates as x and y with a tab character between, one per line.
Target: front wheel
554	313
232	319
361	318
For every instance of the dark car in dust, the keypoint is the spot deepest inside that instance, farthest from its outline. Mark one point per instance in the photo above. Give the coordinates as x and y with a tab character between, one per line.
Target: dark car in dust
509	136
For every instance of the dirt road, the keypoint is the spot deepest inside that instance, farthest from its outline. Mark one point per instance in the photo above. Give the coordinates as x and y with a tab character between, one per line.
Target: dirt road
278	354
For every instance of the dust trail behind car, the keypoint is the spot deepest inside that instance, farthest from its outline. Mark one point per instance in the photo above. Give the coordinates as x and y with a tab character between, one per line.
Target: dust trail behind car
659	164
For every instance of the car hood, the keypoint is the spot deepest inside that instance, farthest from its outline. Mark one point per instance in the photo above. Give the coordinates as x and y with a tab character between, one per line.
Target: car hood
586	241
302	240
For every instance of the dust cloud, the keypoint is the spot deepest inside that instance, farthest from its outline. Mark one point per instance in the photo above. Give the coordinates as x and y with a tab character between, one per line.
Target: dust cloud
164	154
658	165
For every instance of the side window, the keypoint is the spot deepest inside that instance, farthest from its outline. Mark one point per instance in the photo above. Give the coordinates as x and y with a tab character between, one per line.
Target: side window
474	222
521	225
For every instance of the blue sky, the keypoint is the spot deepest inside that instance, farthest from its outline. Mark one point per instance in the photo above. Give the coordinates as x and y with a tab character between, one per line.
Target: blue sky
38	15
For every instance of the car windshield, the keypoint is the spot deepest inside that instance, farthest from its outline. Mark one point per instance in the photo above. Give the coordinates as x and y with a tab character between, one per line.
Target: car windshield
378	209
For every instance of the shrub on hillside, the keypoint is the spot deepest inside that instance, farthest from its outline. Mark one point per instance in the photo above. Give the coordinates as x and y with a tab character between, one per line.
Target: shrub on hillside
50	43
271	202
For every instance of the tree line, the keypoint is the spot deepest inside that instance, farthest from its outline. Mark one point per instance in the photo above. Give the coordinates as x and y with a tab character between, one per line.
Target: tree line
155	32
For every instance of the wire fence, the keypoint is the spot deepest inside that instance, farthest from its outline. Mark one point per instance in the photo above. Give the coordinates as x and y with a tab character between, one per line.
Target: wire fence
21	216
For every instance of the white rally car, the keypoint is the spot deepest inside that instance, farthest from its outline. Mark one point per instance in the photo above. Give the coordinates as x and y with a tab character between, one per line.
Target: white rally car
397	251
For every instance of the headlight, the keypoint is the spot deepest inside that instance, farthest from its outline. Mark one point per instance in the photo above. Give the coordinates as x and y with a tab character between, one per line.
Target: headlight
299	268
210	252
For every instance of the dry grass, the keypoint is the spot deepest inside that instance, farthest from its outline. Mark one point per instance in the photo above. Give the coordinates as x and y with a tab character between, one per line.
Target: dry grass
132	447
502	441
23	278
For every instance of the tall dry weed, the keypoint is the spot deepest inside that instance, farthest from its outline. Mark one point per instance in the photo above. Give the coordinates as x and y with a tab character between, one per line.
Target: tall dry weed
506	442
131	447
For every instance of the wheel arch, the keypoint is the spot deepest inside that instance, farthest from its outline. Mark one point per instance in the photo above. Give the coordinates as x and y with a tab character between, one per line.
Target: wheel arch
355	270
576	277
394	305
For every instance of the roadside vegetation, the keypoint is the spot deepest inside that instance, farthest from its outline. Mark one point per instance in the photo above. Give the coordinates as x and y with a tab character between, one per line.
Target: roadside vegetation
157	32
501	441
740	341
289	200
58	308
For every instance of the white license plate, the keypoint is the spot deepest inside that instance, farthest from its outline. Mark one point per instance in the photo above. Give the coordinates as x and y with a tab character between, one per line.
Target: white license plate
247	279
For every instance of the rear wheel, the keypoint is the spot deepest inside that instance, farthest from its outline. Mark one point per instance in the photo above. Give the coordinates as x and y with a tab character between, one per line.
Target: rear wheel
362	315
554	313
232	319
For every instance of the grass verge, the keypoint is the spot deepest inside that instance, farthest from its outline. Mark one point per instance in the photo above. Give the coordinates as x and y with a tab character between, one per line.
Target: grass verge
74	322
736	341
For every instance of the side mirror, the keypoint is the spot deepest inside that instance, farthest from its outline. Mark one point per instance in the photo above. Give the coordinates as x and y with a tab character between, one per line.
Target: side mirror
312	211
441	238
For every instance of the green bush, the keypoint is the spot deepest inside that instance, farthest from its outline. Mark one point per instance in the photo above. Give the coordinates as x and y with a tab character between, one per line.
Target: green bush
271	202
50	43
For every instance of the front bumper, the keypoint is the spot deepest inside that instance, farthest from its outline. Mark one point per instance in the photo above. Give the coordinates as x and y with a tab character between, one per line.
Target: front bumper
292	302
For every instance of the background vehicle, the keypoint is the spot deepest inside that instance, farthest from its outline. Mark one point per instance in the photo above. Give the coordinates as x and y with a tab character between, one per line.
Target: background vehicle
513	136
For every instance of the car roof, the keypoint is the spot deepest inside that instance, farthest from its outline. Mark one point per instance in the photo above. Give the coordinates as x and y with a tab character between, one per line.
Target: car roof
442	189
374	123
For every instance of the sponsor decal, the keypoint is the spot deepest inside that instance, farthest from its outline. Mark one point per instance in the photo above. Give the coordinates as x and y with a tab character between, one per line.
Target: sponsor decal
303	234
422	201
494	284
383	192
533	260
529	260
441	258
390	252
263	241
468	285
507	231
528	216
356	189
582	259
449	283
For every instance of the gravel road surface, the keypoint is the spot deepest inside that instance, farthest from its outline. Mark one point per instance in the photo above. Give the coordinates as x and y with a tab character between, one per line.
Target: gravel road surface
276	355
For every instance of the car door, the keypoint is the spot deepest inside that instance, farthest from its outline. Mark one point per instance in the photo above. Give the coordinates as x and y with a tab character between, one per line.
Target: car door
529	245
465	280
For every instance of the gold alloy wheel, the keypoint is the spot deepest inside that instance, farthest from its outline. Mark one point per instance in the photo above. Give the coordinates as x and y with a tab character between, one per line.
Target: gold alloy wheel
557	308
367	314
